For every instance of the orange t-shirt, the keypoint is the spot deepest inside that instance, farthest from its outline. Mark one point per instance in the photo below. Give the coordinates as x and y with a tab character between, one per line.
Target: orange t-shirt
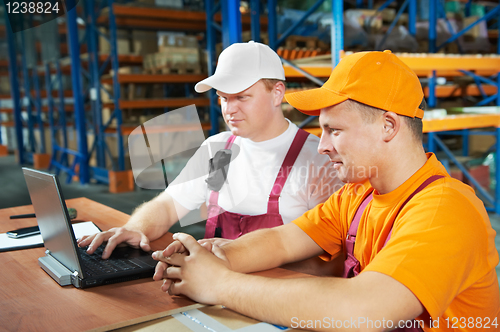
442	245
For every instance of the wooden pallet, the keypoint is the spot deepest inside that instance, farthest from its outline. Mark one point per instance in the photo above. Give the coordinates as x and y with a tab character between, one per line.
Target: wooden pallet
299	53
174	60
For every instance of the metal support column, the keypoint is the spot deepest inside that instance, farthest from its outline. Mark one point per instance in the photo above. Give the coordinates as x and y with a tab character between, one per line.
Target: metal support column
62	112
498	73
465	142
116	85
14	86
272	28
431	100
431	144
231	22
76	80
497	171
38	107
95	83
432	25
337	33
255	17
27	95
50	105
412	17
211	40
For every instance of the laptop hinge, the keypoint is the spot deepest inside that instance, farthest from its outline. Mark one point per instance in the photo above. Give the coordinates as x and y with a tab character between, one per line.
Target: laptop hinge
75	280
56	270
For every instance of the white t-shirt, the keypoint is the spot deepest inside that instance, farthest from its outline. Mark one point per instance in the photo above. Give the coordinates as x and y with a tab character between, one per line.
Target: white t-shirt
252	172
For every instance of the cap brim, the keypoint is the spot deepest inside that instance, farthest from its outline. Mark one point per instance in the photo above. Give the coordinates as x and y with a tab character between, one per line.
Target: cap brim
226	83
311	102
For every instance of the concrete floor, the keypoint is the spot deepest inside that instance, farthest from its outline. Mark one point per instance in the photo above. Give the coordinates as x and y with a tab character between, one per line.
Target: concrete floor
13	192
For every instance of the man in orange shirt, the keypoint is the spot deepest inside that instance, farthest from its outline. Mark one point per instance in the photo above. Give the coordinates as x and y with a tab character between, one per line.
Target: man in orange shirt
417	243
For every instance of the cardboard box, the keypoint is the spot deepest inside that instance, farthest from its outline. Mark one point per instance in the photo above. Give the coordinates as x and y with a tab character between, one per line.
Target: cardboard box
144	42
3	150
169	3
122	42
178	60
47	137
479	144
246	36
481	174
301	41
146	2
166	42
121	181
4	85
456	173
41	160
147	62
475	32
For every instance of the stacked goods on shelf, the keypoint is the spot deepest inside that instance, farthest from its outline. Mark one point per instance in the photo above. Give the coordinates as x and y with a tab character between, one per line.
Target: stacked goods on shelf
4	85
365	29
246	36
297	47
197	5
161	3
128	91
475	40
454	89
130	42
177	55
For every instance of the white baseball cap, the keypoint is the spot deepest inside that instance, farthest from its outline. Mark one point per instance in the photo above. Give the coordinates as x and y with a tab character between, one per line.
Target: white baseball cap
240	66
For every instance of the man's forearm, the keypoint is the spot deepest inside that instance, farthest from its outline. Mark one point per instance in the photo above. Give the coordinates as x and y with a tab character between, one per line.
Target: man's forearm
283	302
369	302
154	218
250	252
268	248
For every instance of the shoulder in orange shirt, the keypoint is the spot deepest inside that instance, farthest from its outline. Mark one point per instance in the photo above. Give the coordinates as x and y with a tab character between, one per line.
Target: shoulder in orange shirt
442	244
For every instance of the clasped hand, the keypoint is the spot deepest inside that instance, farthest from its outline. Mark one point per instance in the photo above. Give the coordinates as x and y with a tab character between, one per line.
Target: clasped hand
192	269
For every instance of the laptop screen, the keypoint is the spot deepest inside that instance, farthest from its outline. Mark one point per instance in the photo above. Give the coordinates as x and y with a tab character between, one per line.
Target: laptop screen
52	217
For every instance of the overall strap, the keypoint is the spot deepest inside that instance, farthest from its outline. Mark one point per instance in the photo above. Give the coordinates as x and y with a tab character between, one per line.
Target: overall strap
214	195
419	189
353	229
286	167
213	227
229	142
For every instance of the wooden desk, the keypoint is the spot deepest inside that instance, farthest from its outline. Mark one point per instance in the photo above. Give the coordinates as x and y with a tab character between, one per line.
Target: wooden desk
30	300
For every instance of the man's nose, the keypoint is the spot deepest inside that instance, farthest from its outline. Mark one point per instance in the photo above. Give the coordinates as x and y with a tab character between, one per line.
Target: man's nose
231	106
325	145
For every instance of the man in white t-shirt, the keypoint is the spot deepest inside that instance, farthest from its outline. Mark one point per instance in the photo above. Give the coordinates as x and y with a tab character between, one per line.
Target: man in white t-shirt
275	174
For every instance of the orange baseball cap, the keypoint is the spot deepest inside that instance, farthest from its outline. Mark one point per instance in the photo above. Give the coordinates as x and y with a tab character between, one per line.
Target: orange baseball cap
377	79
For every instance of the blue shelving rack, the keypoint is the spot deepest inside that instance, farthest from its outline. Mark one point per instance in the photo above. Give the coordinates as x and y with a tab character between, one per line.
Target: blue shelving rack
436	7
101	13
231	33
25	40
92	10
25	71
56	102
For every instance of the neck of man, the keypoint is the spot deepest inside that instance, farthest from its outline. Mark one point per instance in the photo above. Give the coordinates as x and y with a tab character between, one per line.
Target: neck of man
396	168
276	126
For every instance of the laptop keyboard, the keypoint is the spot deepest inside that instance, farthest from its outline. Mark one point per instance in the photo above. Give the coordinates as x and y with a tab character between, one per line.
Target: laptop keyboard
95	265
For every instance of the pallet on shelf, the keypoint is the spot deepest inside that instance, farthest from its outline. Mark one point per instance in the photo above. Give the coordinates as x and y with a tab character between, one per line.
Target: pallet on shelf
174	60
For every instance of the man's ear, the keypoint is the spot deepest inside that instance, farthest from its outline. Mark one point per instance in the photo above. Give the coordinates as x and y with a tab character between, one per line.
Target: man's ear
279	93
392	125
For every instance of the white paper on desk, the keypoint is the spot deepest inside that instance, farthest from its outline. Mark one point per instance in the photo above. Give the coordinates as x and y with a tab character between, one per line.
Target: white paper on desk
80	229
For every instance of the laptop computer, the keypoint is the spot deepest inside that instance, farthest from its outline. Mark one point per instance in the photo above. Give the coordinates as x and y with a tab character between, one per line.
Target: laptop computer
64	261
